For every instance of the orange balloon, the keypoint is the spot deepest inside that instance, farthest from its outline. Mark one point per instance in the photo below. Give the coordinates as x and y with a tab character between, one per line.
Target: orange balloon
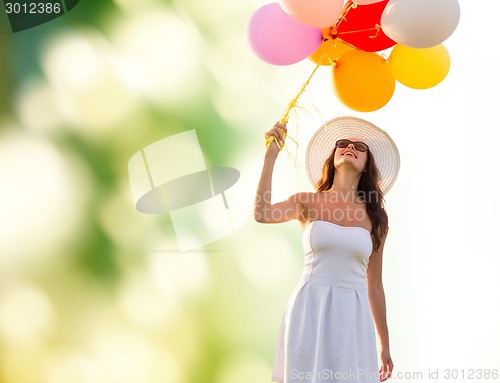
329	51
363	81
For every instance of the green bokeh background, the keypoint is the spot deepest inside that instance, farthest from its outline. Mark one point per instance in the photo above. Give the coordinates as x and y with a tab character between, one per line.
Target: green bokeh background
91	290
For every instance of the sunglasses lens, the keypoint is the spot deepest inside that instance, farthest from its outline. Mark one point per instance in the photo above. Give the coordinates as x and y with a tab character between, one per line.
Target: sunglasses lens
343	143
361	146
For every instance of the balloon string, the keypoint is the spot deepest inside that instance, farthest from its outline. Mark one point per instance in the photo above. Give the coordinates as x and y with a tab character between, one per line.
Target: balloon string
377	28
342	17
292	103
344	13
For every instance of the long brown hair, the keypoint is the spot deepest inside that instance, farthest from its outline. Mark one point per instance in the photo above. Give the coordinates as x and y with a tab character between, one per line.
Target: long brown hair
368	190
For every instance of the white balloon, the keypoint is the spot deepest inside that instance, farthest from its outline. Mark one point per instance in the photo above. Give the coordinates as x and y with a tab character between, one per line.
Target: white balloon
420	23
366	2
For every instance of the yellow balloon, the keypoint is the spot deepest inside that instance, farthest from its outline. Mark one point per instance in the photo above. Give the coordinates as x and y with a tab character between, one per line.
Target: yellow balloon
363	81
329	51
419	68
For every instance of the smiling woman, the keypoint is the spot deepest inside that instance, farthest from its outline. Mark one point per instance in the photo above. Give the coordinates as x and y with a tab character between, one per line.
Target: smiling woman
343	236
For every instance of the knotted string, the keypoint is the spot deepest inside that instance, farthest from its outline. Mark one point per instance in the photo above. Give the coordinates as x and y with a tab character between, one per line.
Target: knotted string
292	105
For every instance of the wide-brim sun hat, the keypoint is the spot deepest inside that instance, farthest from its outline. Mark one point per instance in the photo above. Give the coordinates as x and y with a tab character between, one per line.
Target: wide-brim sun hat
381	146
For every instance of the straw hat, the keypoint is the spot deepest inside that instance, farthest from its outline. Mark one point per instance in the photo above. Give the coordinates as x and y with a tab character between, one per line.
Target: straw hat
381	146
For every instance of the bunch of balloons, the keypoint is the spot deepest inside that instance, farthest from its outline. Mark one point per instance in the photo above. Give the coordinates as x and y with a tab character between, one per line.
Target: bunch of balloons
350	36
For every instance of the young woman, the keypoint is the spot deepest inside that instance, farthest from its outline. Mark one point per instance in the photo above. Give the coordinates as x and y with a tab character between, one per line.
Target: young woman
328	328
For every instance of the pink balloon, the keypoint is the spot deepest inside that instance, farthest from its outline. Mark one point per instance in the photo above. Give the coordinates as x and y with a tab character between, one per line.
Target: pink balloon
315	13
278	39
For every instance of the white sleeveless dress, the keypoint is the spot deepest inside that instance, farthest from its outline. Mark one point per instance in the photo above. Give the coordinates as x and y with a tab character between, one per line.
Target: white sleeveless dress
327	333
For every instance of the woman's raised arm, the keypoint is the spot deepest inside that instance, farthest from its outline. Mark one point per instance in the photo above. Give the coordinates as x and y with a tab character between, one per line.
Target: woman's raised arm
264	211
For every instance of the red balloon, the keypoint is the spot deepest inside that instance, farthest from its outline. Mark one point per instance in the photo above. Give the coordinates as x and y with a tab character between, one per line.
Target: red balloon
360	27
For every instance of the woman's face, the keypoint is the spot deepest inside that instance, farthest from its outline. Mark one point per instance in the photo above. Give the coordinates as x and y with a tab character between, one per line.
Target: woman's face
350	156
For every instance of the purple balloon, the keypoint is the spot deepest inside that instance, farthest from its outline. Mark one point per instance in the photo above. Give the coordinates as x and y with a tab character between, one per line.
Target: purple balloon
278	39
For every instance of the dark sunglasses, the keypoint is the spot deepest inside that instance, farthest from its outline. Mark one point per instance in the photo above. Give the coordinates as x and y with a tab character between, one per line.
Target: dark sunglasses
358	145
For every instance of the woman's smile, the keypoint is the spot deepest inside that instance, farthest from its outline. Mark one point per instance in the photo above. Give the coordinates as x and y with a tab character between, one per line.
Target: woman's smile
349	152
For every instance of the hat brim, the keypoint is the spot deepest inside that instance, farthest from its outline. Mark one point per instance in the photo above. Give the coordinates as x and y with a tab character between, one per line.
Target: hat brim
382	147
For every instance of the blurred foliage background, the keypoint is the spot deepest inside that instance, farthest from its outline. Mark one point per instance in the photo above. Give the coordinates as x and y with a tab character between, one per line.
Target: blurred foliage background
93	291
